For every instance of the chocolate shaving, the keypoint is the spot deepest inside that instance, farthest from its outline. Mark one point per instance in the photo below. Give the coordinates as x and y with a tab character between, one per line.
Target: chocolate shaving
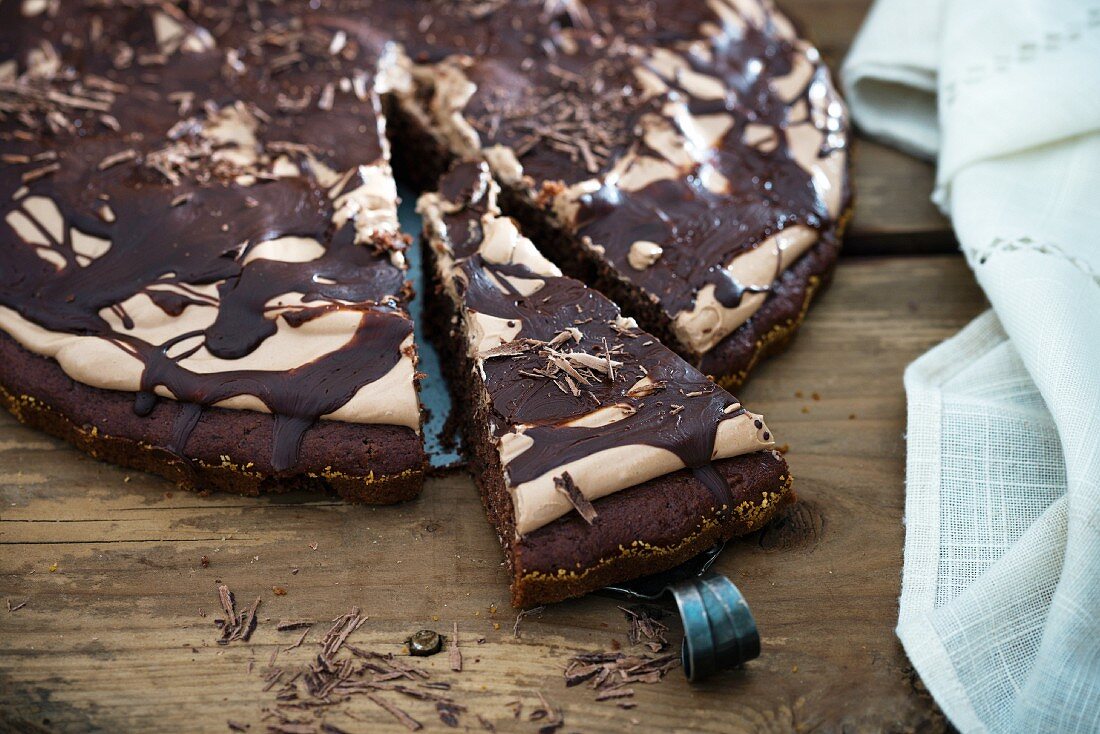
565	335
523	615
623	331
32	176
293	624
343	626
568	487
597	364
575	675
563	364
273	679
298	643
342	670
645	627
448	712
608	673
386	664
410	723
511	349
551	715
455	654
116	158
235	626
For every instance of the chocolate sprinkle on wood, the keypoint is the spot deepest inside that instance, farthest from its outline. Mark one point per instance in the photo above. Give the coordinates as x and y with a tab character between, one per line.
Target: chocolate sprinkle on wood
410	723
550	715
523	615
235	626
645	627
608	673
293	624
455	654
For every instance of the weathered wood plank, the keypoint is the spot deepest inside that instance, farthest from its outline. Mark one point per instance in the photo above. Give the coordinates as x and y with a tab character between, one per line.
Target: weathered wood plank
113	640
893	212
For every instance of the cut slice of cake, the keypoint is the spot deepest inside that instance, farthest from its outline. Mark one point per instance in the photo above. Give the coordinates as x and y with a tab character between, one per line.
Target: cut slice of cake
688	160
600	455
201	273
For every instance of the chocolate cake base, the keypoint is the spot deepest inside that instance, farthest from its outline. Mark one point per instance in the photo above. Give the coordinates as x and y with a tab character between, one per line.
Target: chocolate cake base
420	158
228	450
644	529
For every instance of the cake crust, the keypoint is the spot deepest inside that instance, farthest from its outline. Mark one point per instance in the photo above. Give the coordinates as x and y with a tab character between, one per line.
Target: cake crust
655	526
227	451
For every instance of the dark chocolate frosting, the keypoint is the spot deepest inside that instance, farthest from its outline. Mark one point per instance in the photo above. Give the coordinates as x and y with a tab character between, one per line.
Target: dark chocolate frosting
751	132
171	141
179	144
570	354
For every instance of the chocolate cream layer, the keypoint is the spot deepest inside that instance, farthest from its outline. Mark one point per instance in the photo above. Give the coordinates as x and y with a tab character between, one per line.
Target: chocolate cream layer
581	398
202	209
698	149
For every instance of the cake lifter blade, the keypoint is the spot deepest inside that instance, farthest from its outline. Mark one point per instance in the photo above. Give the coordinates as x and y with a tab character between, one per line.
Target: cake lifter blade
719	629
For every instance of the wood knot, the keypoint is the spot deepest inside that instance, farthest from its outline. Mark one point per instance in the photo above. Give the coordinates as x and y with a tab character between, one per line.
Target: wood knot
798	525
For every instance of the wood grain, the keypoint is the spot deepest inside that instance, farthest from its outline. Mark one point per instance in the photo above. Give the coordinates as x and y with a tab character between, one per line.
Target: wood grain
113	639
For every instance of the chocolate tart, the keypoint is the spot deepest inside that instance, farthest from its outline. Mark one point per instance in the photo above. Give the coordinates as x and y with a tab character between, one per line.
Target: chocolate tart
197	202
600	455
202	273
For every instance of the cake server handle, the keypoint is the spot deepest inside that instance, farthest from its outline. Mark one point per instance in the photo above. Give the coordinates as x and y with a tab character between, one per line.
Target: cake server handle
719	629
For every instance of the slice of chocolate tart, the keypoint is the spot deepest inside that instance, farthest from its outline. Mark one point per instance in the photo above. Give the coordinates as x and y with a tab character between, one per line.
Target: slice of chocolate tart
201	273
687	159
600	455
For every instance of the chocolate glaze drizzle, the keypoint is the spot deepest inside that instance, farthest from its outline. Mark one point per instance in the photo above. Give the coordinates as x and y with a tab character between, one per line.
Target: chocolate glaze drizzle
576	110
680	412
124	111
109	105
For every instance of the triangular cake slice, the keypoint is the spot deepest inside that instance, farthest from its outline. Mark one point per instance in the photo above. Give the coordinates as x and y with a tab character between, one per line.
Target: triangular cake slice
600	455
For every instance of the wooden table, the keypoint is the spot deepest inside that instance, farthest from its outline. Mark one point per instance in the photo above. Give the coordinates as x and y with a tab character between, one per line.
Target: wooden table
117	630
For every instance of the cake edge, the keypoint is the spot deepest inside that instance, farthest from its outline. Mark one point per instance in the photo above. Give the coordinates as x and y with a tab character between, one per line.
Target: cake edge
38	393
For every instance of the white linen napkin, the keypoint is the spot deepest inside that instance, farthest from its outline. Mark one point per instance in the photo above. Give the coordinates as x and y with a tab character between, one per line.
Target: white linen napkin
1000	602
